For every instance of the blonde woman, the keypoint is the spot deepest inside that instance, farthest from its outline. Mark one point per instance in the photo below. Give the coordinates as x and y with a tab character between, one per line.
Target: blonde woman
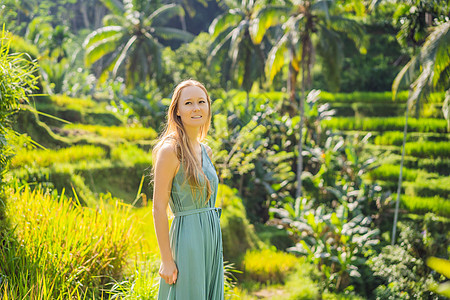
185	178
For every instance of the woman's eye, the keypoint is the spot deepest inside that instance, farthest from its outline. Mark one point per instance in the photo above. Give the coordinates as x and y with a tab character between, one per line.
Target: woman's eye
188	102
202	101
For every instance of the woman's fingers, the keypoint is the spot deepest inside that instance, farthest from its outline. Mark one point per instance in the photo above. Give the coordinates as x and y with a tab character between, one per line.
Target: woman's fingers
174	277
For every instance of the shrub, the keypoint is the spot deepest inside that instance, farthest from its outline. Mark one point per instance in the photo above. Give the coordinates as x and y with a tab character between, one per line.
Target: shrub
268	265
401	275
237	233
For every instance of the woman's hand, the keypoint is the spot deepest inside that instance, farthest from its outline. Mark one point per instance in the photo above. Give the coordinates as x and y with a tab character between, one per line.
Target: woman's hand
169	272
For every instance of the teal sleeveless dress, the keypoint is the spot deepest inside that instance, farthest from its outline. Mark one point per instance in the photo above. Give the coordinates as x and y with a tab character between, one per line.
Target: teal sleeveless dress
195	240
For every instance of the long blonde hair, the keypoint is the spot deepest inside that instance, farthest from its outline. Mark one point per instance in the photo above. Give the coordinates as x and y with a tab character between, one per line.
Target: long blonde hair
175	133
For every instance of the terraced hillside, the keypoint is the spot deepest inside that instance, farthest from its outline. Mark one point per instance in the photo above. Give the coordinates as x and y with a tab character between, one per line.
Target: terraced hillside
426	181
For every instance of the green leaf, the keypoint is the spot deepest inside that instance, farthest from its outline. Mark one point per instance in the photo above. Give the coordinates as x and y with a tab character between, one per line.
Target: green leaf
173	33
101	34
267	17
163	14
101	48
275	59
224	21
115	6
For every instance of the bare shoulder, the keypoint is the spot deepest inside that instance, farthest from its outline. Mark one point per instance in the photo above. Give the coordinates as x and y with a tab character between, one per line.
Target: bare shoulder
167	156
208	150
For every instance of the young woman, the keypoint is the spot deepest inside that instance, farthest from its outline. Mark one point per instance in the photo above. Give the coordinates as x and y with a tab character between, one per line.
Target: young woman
185	178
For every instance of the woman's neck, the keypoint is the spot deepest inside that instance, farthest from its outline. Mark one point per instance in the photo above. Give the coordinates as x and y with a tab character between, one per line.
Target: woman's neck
192	134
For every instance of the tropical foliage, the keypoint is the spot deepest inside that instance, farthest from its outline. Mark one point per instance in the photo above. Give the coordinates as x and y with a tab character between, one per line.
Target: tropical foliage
96	124
130	41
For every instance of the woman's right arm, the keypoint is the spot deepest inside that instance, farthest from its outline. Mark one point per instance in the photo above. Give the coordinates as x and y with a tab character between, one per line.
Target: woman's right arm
165	168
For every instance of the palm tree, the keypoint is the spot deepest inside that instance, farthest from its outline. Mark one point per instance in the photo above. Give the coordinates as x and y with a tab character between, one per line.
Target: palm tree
129	43
307	29
428	69
233	47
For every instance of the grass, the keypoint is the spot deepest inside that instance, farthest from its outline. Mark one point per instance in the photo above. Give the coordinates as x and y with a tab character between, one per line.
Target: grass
116	132
273	268
74	103
429	188
375	97
422	205
396	138
386	124
428	149
46	158
59	248
391	173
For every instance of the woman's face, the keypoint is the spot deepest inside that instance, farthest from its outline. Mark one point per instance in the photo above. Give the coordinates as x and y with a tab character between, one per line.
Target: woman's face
193	106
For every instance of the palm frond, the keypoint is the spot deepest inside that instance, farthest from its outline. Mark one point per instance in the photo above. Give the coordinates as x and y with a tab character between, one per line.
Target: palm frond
113	20
331	49
163	14
322	6
405	76
100	34
438	43
115	6
220	45
223	22
275	59
168	33
101	48
235	42
123	54
352	29
267	17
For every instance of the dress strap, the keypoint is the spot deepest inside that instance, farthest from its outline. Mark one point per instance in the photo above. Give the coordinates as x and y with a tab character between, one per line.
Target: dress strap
198	211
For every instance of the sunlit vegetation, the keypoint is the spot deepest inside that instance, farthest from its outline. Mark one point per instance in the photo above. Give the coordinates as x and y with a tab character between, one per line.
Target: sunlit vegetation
76	211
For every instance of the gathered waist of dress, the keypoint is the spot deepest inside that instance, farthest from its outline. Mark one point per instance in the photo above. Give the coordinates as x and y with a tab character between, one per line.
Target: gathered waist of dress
198	211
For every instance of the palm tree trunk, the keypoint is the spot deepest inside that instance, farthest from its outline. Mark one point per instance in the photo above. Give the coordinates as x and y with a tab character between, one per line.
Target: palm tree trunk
399	188
300	143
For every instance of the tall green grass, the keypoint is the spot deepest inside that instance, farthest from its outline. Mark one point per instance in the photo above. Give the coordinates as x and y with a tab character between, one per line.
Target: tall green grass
391	173
370	97
116	132
428	149
74	103
45	158
131	153
386	124
429	188
396	138
431	165
434	204
61	249
273	268
375	97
